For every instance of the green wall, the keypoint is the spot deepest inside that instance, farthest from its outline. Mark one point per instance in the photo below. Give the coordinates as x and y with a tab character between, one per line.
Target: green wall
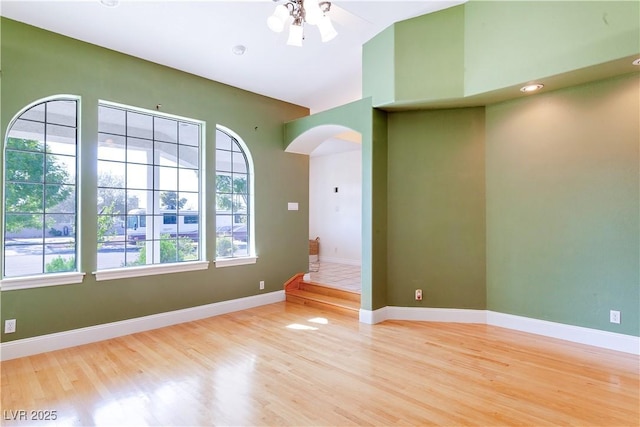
436	208
416	60
561	215
553	233
480	52
354	115
513	42
563	205
528	206
378	71
375	199
429	56
38	63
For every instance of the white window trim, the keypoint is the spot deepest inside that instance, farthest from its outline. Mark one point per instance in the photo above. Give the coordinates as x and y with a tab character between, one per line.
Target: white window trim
150	270
252	257
231	262
41	281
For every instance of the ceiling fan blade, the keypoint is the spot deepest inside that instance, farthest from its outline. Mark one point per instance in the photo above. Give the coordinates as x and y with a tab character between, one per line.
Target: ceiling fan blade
347	19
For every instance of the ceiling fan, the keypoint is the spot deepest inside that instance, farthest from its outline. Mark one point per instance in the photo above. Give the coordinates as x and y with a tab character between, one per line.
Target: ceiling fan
318	13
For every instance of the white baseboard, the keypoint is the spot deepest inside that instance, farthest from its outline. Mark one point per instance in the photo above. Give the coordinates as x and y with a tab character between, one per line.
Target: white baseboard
578	334
593	337
372	317
60	340
451	315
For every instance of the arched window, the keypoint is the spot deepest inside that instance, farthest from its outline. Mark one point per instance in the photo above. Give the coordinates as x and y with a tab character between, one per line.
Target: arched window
234	200
40	197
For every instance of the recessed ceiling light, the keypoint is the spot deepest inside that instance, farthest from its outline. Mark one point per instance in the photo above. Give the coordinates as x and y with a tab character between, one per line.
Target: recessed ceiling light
110	3
636	62
531	88
239	49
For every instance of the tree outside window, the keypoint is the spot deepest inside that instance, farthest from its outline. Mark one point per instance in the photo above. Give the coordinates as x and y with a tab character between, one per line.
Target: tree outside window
40	190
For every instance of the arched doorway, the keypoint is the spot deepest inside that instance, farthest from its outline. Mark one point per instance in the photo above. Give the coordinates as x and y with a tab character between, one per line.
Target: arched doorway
335	202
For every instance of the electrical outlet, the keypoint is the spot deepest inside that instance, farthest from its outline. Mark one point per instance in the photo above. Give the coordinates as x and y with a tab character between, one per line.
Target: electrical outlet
9	326
614	316
418	294
261	285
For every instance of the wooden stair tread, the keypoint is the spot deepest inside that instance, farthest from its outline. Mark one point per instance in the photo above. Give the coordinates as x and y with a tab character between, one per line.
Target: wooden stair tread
299	291
327	299
319	288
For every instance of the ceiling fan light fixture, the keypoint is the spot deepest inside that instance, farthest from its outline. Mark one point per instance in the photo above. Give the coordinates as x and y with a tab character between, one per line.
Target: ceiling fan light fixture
311	12
327	32
296	34
276	21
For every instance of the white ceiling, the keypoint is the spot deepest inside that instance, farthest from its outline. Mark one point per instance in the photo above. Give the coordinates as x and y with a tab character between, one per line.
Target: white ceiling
198	37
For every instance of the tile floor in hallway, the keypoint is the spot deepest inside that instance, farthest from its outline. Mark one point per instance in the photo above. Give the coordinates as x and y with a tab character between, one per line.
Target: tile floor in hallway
341	276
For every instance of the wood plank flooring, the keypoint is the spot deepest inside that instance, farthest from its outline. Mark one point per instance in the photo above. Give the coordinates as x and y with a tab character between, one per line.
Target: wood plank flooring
287	364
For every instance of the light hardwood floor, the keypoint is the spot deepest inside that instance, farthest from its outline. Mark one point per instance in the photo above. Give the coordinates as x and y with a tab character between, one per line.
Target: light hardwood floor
287	364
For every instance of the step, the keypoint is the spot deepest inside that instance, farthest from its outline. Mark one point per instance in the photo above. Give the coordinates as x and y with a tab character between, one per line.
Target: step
327	302
321	289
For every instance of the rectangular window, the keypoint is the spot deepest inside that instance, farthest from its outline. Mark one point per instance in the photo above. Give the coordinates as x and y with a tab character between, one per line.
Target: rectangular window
149	177
169	219
191	219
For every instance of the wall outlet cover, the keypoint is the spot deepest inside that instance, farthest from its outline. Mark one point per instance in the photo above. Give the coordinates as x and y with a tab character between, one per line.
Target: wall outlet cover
614	316
9	326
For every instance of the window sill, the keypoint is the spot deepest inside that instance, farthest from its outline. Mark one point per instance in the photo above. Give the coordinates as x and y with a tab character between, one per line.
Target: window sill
151	270
41	281
231	262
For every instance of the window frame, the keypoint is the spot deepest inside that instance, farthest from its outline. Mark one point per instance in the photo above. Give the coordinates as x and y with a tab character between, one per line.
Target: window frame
45	279
174	267
251	256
